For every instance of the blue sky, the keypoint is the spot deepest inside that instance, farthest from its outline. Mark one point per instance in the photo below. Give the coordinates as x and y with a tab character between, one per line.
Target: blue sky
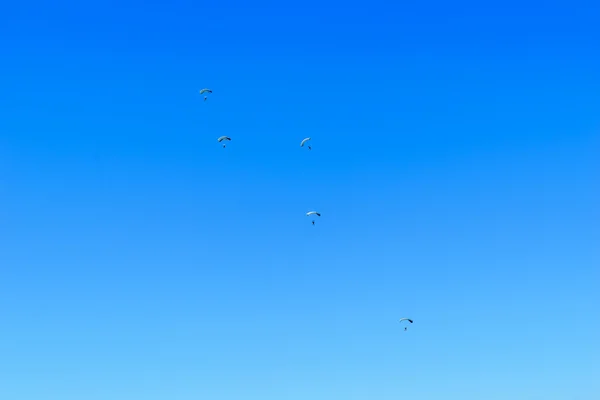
455	163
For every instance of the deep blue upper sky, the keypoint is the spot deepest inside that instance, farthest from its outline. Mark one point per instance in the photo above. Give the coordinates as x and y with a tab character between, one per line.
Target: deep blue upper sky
455	164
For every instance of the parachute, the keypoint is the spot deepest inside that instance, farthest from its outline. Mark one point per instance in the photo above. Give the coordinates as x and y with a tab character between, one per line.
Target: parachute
406	319
205	91
222	138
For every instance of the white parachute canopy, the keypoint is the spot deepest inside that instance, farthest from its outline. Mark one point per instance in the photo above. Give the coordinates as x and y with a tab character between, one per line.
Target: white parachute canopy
304	141
308	214
202	91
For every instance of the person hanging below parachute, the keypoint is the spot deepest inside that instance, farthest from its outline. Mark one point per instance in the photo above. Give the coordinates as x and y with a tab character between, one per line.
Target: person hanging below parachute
223	138
308	214
304	141
406	319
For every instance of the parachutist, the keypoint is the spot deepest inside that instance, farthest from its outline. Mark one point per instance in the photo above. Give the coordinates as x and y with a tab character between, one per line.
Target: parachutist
304	141
406	319
205	91
222	138
308	214
310	148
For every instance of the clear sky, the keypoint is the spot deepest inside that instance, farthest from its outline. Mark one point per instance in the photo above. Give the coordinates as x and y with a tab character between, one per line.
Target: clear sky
455	164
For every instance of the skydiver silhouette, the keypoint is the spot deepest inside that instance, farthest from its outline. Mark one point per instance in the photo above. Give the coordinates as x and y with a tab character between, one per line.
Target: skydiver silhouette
313	222
310	148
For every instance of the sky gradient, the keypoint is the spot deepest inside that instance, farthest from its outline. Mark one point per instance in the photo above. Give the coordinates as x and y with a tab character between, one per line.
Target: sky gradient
454	161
